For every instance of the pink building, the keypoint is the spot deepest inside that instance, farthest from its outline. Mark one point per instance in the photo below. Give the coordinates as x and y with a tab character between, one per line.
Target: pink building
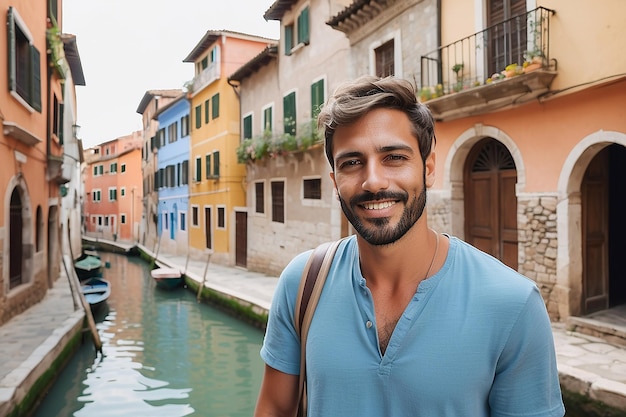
113	188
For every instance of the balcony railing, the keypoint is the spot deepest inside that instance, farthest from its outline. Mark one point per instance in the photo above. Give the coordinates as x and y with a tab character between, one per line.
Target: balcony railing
512	48
207	76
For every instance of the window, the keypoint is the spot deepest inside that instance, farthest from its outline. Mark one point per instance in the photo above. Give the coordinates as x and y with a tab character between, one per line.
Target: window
221	217
123	192
123	218
24	62
123	168
297	34
183	222
289	113
384	59
112	194
278	201
207	163
206	111
113	168
198	176
215	106
317	97
267	119
170	172
198	116
259	197
160	141
312	188
184	126
172	132
96	195
247	127
194	216
98	170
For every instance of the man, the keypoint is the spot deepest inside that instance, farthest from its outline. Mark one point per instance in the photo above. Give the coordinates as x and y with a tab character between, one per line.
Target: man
411	322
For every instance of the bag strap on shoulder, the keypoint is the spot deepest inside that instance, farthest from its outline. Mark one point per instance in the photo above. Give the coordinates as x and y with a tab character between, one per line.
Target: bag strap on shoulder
309	291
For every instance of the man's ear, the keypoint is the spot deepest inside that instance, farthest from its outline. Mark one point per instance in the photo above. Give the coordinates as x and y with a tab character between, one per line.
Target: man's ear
429	166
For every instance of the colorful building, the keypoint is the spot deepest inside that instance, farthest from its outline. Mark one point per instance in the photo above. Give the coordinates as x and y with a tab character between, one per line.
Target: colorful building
37	112
172	178
217	189
150	103
112	175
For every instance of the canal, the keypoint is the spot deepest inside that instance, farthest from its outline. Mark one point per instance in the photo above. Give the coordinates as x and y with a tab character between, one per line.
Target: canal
165	354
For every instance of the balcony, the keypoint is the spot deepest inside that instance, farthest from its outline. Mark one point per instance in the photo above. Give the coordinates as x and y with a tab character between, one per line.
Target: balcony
503	66
206	77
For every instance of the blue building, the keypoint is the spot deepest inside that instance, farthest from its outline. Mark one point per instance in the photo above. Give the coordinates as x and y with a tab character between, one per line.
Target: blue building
172	175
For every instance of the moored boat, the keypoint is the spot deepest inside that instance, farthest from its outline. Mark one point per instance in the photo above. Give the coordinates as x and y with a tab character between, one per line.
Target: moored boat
88	266
167	278
96	291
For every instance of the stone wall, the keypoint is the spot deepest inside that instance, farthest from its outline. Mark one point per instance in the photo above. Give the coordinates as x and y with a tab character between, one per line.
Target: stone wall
537	245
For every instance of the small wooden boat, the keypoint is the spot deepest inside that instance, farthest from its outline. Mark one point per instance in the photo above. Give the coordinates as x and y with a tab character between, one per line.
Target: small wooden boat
96	291
167	278
88	266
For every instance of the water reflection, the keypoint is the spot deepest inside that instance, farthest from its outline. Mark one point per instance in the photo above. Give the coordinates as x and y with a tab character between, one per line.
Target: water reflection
164	355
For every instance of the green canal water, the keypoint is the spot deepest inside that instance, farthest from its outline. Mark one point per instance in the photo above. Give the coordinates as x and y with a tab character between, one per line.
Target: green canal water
165	354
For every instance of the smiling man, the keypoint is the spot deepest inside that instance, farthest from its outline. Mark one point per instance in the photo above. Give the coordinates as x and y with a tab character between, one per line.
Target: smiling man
411	322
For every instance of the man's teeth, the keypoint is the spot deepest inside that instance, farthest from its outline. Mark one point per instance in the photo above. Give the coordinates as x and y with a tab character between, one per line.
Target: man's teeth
378	206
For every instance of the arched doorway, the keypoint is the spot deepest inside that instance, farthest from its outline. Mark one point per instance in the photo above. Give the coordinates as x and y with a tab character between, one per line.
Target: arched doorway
16	257
490	201
604	230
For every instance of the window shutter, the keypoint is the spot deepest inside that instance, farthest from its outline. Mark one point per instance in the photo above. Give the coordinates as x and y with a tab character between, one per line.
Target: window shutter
35	93
288	39
267	120
317	97
215	105
12	52
198	169
206	111
198	117
216	163
303	26
289	113
208	165
247	127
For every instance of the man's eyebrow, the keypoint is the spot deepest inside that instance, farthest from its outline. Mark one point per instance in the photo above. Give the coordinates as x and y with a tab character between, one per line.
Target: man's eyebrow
398	147
349	154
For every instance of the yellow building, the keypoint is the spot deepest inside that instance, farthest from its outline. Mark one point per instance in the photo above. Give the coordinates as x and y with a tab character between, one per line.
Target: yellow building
217	200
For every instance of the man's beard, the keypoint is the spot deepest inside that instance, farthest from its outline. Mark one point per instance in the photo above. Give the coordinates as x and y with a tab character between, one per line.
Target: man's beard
379	232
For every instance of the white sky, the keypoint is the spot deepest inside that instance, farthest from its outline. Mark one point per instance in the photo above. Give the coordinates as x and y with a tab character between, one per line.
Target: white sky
130	46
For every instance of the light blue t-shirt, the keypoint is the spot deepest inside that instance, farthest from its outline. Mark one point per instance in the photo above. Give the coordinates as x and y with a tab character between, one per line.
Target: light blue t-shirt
474	341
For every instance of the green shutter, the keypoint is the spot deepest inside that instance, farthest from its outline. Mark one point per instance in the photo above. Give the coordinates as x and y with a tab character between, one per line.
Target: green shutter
207	162
35	88
267	120
198	169
288	39
206	111
216	163
215	105
12	51
247	127
198	117
303	26
289	113
317	97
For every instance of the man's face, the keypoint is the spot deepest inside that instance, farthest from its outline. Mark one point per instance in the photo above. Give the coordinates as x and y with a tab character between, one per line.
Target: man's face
379	175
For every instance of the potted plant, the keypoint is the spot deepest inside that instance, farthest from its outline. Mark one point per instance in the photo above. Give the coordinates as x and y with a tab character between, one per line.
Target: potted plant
534	59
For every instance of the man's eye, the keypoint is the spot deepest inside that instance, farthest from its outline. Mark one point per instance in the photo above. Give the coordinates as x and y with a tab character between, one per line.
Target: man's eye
396	157
349	163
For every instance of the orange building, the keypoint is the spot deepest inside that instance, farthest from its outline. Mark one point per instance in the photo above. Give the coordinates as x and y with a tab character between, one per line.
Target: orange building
35	82
113	186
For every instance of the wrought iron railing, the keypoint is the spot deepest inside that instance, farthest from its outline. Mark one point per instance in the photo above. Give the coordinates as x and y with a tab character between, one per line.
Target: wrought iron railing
479	58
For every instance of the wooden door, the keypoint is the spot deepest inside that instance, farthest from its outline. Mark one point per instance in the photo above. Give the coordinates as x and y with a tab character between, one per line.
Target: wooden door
208	228
490	201
16	242
595	228
241	239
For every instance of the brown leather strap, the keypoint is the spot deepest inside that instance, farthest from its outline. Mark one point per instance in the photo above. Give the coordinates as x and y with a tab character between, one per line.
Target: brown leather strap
309	292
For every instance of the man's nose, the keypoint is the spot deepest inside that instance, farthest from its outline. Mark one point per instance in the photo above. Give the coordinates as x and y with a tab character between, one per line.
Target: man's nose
375	179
